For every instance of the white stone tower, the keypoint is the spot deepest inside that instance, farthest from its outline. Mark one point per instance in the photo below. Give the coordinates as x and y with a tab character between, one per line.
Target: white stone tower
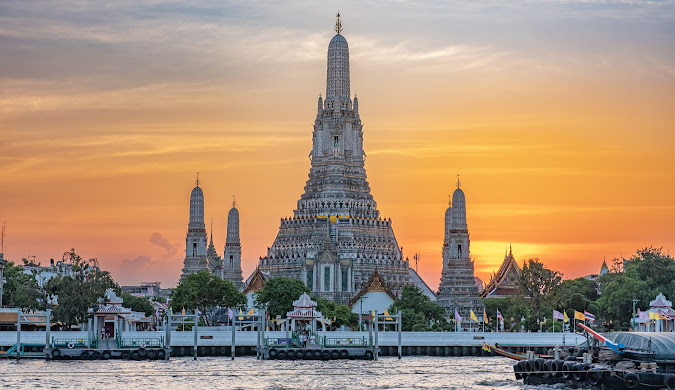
336	237
231	264
195	241
458	290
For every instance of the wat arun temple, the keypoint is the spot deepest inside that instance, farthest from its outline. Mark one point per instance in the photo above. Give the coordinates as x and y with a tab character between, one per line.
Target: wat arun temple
336	239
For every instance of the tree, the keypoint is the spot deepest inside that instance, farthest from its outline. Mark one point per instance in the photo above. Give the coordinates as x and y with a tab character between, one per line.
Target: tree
204	291
642	277
417	308
574	293
137	303
536	282
278	294
341	314
79	291
22	289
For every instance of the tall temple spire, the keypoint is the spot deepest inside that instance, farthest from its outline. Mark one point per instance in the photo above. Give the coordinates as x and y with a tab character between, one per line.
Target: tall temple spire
328	241
337	73
232	253
195	240
338	24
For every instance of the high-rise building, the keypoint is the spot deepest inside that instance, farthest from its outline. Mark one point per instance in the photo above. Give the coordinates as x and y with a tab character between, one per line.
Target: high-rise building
195	240
336	237
458	290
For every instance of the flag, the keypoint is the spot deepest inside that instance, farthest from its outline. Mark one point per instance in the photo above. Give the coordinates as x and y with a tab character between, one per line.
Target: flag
499	315
183	312
579	316
240	313
589	316
655	315
566	318
250	312
485	318
643	315
473	316
230	314
386	313
199	312
458	318
558	315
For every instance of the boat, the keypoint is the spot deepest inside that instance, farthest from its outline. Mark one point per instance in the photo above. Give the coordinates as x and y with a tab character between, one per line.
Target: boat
617	360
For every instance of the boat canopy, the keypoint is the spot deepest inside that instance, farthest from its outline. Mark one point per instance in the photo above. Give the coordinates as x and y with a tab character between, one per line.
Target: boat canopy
662	343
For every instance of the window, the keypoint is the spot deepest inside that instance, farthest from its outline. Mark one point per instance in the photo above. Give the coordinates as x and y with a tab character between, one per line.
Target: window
326	279
459	251
194	249
344	279
310	278
231	260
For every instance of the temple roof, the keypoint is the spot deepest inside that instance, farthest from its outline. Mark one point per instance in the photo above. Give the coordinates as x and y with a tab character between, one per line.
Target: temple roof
374	284
505	280
304	302
256	281
661	302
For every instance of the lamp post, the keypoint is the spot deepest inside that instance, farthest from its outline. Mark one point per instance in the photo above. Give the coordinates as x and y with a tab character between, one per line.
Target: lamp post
2	280
633	315
361	313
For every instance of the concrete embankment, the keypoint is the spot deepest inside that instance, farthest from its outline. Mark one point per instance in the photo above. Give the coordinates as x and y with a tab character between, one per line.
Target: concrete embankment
217	341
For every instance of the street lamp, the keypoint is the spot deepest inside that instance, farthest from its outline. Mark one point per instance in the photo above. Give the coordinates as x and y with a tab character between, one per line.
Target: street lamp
2	266
361	313
633	315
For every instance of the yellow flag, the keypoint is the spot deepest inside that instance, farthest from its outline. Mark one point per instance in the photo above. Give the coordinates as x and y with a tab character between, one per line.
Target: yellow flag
579	316
250	312
386	313
240	313
473	316
567	319
183	311
485	316
372	313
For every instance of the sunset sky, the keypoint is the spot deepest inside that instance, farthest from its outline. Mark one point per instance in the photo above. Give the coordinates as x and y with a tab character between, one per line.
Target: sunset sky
558	115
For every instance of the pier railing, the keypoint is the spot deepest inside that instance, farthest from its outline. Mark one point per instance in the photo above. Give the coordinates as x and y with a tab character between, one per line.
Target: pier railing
74	343
140	342
340	342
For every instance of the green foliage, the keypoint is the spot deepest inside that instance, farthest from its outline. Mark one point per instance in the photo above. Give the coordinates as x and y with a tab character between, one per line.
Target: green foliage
22	289
512	309
644	276
575	293
137	303
341	314
536	282
80	291
417	308
278	294
205	291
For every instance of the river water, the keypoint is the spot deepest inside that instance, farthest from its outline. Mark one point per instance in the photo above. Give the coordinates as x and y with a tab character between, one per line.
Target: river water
248	373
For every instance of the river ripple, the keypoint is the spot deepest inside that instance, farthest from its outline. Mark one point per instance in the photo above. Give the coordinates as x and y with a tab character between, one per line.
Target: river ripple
248	373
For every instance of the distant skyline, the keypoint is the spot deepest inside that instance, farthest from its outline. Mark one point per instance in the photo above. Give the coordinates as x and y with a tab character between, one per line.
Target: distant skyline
558	115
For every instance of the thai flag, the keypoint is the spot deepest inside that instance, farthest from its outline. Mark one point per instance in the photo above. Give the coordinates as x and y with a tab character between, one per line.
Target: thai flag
589	316
499	315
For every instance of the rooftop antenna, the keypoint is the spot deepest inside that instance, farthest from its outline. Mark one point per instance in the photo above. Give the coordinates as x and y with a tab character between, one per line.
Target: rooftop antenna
338	24
197	182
